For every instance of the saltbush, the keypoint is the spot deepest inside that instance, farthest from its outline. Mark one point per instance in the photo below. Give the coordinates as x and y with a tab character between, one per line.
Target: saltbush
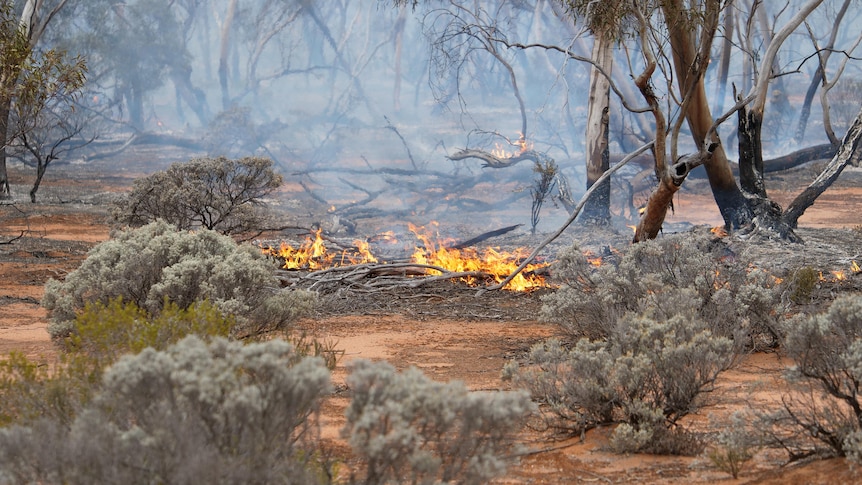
691	273
410	429
221	412
643	338
822	415
211	193
645	377
157	263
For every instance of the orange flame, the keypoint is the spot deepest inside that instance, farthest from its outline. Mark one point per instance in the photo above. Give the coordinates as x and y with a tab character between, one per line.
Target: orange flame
839	275
313	255
593	259
496	264
855	268
522	144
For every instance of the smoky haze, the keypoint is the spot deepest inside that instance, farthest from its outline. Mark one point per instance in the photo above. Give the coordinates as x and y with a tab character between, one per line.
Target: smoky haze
359	103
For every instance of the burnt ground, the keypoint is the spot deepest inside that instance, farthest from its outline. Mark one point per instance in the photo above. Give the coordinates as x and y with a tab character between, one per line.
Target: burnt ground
448	330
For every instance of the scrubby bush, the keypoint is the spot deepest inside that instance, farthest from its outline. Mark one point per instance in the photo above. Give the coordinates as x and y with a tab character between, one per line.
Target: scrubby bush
157	263
734	446
644	338
682	274
645	376
211	193
193	413
410	429
822	415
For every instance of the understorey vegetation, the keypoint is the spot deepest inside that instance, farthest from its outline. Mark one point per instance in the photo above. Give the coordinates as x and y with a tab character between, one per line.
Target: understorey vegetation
219	194
643	339
821	415
158	263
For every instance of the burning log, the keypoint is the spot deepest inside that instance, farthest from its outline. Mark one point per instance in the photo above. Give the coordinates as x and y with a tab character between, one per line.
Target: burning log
493	160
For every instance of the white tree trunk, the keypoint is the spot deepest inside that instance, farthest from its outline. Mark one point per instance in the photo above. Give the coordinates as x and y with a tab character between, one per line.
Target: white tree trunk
597	125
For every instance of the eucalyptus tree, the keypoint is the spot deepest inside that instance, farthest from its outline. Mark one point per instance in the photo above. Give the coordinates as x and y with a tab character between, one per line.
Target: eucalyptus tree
29	78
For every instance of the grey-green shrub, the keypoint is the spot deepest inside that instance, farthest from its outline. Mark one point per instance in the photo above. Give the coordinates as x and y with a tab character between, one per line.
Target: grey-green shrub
644	339
410	429
822	415
211	193
644	377
195	413
156	263
678	274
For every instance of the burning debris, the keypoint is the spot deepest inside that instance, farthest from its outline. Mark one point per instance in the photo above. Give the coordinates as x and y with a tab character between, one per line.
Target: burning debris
431	260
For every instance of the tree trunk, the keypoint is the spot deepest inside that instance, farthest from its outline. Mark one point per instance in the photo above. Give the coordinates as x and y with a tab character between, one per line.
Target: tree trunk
5	108
729	199
224	50
848	152
597	209
726	50
750	153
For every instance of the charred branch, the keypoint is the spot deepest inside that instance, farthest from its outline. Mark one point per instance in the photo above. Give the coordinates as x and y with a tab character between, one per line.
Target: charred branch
847	153
494	161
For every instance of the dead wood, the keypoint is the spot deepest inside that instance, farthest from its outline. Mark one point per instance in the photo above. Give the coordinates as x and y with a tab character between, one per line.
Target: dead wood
483	237
577	210
848	152
493	161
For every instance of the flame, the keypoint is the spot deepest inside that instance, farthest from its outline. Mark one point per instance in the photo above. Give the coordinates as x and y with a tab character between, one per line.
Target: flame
855	268
593	259
633	228
497	264
839	275
313	255
522	144
719	231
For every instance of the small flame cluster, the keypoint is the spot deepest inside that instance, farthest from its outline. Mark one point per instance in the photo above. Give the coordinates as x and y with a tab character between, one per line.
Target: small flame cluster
840	275
522	144
313	255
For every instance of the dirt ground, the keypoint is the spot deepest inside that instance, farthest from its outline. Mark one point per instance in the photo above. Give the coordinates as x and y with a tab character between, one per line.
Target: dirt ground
463	337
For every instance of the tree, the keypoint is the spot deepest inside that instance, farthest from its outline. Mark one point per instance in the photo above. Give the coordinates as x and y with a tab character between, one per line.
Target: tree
19	81
43	114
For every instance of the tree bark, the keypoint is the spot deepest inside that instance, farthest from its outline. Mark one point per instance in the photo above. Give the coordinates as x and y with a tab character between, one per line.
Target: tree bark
750	153
597	209
224	49
729	199
726	50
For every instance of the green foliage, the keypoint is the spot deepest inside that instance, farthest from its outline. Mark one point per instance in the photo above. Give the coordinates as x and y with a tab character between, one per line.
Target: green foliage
107	331
408	428
822	415
157	263
683	274
212	193
802	285
192	413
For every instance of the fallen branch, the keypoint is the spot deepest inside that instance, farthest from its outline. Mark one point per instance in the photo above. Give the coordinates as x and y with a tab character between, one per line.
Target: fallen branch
571	218
494	161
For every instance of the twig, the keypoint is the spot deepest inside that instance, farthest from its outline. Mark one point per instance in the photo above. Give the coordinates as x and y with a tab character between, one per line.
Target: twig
631	156
496	162
390	126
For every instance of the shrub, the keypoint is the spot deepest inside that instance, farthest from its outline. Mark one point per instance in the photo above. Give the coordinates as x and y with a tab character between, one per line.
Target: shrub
408	428
157	263
823	413
647	375
734	446
681	274
211	193
193	413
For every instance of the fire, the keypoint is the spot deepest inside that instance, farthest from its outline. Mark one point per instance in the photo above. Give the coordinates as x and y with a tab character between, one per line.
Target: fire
313	255
496	264
522	144
719	231
593	259
855	268
839	275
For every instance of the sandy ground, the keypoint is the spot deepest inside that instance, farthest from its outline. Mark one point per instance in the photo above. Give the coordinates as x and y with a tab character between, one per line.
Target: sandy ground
58	233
